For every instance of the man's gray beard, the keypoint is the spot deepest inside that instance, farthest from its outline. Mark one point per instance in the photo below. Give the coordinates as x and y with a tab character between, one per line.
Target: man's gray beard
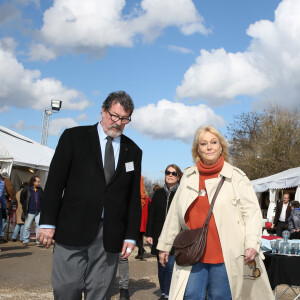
114	134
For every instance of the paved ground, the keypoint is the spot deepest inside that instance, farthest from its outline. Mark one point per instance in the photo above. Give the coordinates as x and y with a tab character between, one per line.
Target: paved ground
25	274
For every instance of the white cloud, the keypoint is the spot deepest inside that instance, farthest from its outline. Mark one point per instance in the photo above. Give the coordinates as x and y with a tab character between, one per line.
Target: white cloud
173	120
21	87
41	52
82	117
4	108
219	76
57	125
180	49
269	70
21	125
8	12
76	26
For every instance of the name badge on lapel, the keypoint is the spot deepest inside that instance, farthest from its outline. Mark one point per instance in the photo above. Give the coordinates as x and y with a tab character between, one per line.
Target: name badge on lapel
129	166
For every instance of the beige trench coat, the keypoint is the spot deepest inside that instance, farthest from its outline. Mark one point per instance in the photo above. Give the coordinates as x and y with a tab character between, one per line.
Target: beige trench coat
238	220
19	209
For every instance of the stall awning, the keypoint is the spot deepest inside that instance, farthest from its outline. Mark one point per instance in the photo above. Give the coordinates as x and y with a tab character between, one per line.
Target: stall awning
283	180
22	151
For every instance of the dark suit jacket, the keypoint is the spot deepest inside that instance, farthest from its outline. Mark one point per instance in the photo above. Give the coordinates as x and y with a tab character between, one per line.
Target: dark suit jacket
76	191
278	212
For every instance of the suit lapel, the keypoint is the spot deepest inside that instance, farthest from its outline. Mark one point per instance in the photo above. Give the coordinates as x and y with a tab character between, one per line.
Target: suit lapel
95	145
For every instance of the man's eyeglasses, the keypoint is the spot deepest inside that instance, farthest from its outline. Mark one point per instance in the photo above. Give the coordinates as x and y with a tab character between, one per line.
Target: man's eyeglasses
255	271
115	118
171	173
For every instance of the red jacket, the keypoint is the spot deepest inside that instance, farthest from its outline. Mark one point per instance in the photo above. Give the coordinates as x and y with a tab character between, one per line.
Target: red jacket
145	215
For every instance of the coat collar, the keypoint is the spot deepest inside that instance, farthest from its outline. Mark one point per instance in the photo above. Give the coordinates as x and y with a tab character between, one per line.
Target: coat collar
226	171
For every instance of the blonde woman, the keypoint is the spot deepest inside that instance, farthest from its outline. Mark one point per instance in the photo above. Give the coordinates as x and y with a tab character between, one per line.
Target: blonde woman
232	266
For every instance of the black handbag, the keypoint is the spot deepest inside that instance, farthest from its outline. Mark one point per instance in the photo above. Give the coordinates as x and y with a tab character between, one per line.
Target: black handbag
190	244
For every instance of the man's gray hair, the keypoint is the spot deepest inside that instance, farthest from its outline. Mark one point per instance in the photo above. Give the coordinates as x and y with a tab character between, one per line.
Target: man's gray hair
120	97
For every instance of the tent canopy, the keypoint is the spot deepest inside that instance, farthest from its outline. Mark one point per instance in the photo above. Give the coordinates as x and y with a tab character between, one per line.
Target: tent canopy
286	179
22	151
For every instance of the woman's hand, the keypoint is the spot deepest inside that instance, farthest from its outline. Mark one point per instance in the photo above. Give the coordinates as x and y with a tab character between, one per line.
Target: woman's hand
149	240
250	254
163	257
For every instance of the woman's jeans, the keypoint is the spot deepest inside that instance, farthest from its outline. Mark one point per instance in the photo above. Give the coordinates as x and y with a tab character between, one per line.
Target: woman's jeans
28	221
18	227
165	275
208	278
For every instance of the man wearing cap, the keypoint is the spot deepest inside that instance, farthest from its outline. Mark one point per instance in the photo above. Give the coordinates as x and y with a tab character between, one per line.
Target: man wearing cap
96	216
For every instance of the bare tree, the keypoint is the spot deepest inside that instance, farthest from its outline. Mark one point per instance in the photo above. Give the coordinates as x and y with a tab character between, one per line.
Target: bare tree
150	184
262	144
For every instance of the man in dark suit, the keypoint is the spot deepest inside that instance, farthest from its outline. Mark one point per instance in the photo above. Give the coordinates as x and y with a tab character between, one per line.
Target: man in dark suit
92	203
283	211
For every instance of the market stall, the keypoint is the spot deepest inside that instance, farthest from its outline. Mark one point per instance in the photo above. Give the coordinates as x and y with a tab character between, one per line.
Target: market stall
22	157
289	179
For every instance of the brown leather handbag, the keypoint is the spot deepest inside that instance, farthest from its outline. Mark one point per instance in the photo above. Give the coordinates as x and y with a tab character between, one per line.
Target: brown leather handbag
190	244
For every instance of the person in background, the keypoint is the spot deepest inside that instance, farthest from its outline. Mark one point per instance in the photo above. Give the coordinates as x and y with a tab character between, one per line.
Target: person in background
144	202
123	262
143	227
92	203
20	223
234	231
282	213
31	199
2	203
9	195
294	220
156	187
158	211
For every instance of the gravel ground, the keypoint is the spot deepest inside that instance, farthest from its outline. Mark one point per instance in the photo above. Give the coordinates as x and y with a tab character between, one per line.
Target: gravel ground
25	274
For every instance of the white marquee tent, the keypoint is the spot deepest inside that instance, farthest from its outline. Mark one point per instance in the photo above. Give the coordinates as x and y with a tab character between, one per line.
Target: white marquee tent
283	180
22	157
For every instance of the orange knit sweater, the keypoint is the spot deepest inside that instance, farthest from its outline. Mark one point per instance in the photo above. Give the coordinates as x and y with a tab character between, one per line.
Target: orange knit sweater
197	213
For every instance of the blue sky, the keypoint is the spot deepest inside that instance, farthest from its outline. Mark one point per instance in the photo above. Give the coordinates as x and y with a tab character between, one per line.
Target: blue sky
185	63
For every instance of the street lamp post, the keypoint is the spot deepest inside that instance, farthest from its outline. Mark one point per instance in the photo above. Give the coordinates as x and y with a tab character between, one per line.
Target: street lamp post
55	107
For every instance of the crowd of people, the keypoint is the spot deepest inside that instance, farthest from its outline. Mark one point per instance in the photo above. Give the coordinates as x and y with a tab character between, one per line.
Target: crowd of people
26	204
97	219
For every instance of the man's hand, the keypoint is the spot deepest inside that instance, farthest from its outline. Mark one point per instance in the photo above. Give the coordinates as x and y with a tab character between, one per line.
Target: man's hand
163	257
45	236
149	240
250	254
127	249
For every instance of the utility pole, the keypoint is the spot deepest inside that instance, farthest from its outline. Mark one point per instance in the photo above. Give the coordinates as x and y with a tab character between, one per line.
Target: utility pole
45	126
55	107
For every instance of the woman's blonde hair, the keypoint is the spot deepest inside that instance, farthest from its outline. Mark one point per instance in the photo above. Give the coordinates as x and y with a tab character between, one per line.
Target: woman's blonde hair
199	136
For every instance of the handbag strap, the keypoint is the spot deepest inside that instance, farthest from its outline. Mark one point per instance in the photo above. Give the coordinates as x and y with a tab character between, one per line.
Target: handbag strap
213	202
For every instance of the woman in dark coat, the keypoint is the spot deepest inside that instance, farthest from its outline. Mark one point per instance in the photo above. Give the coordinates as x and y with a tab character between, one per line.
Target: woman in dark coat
158	210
